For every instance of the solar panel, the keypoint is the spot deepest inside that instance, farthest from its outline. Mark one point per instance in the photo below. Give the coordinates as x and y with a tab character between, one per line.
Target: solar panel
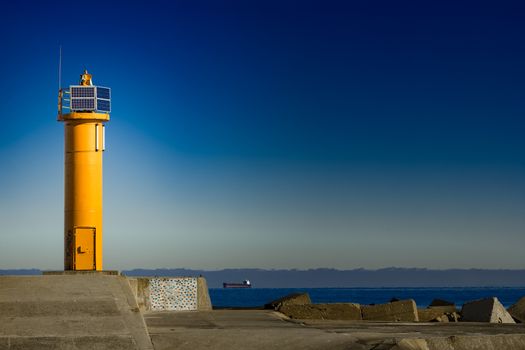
82	104
103	92
90	98
103	105
82	91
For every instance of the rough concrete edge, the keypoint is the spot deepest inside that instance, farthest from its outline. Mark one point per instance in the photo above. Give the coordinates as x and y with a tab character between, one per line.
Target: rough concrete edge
6	343
276	304
143	294
321	308
457	342
65	342
432	314
134	319
411	344
133	284
415	308
203	295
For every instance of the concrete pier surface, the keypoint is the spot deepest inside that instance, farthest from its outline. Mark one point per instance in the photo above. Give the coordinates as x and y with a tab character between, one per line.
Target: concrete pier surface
99	311
263	329
70	312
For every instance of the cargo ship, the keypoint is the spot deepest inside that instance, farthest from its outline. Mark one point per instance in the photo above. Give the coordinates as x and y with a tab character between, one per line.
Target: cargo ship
244	284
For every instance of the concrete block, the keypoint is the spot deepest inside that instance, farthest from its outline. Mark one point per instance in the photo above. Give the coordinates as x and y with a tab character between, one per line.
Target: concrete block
485	310
441	302
518	310
290	299
446	306
339	311
442	319
172	294
454	317
429	314
445	309
404	311
433	313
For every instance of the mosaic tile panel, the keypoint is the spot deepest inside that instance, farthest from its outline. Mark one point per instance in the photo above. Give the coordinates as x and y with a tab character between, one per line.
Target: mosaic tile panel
173	293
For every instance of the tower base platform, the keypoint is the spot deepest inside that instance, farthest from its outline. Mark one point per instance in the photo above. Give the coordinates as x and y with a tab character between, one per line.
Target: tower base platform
75	272
91	311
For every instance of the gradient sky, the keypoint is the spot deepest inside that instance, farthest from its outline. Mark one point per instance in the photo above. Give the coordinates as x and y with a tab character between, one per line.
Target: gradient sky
274	134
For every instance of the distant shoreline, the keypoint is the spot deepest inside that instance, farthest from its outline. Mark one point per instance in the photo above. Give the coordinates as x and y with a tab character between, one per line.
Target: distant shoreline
333	278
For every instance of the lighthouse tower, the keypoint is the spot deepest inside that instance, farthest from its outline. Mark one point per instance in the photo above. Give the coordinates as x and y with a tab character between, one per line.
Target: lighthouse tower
88	108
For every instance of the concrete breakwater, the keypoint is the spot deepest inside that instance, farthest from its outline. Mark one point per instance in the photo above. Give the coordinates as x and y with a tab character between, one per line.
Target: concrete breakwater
299	306
97	311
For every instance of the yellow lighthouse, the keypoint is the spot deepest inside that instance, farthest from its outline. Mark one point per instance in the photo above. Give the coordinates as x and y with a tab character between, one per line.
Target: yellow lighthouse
88	109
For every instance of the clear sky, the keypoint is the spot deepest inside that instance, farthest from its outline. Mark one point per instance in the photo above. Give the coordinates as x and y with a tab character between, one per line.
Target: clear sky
274	134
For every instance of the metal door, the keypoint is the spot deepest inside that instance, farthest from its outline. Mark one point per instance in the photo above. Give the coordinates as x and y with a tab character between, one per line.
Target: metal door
84	254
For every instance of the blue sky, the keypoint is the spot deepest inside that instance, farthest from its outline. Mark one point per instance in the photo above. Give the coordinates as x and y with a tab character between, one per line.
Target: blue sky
274	134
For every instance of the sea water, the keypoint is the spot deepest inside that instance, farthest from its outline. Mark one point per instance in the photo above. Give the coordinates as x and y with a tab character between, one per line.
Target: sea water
254	297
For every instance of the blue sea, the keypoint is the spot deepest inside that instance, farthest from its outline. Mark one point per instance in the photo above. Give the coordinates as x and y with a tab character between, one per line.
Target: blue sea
255	297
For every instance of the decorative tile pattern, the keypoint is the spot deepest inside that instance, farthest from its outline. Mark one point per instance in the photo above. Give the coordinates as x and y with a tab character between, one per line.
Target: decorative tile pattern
169	293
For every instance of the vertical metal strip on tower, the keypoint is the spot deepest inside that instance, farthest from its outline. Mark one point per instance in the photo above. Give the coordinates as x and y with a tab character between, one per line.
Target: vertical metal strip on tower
96	138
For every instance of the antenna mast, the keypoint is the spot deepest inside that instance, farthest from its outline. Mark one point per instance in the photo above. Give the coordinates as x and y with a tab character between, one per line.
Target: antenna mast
60	68
60	92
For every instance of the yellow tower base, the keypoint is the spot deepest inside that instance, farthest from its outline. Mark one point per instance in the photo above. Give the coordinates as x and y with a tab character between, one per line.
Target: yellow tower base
84	145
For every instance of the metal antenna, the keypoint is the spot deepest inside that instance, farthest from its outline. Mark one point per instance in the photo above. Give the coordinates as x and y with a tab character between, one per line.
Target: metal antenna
60	68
